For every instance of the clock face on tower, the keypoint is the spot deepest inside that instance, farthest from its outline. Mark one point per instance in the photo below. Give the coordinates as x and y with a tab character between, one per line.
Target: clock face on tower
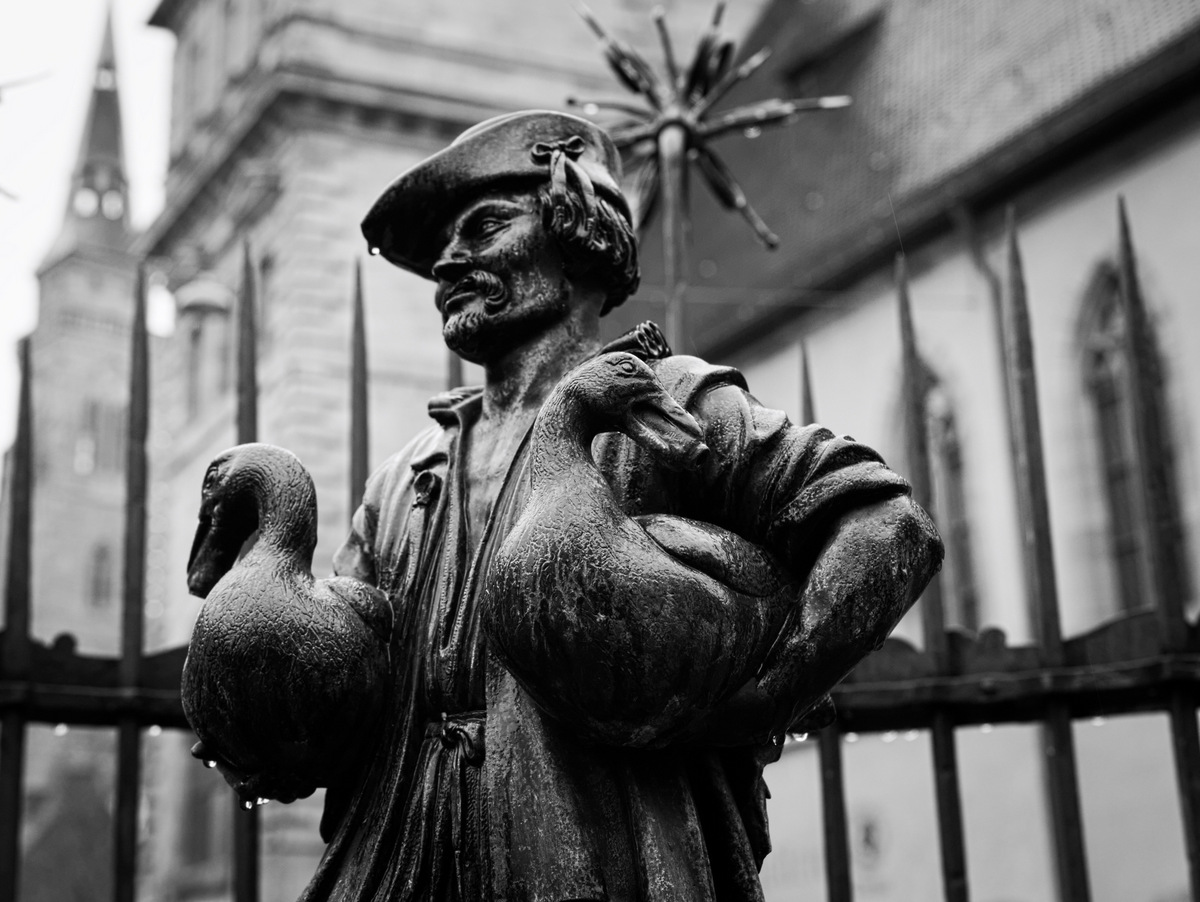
112	204
86	202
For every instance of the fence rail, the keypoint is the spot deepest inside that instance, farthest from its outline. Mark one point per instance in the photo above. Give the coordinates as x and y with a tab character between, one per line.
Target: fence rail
1143	661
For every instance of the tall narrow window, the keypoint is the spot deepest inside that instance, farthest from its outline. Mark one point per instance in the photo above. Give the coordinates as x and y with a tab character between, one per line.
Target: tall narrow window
950	508
101	578
1123	425
194	364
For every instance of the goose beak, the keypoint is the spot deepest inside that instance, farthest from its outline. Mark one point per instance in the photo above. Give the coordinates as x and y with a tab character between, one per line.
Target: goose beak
661	426
203	567
216	547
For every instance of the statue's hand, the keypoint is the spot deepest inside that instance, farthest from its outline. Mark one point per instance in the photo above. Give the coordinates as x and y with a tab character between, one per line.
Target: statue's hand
254	789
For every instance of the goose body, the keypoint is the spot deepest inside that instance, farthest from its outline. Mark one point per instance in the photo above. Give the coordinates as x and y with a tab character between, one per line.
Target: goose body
284	672
628	627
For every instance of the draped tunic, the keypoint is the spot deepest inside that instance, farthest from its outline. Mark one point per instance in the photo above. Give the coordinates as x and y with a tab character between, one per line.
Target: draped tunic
470	790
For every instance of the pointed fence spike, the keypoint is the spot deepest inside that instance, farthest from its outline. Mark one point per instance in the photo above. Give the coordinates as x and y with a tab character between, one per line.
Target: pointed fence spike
359	429
914	385
247	357
1031	473
1038	564
19	490
15	651
1152	443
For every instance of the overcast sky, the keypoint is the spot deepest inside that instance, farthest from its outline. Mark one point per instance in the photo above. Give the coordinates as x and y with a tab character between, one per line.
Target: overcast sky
57	43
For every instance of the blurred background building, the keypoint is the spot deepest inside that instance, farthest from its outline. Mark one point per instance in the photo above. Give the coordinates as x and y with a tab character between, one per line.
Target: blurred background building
289	116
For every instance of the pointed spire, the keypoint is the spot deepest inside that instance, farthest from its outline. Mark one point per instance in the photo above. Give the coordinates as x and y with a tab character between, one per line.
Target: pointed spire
97	211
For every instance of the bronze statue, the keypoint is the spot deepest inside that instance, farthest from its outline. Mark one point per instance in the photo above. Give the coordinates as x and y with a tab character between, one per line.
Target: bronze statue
597	644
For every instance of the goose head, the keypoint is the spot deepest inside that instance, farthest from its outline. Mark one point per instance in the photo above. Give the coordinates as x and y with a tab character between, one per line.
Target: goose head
246	488
619	392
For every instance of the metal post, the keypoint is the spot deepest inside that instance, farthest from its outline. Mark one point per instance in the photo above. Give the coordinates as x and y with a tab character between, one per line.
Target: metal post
945	755
359	437
246	822
132	623
15	652
1058	740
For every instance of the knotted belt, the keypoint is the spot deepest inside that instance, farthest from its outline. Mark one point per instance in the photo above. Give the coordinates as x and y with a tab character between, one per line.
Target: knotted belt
462	735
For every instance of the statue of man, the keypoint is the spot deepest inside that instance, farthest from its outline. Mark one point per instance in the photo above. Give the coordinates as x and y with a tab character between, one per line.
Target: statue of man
472	791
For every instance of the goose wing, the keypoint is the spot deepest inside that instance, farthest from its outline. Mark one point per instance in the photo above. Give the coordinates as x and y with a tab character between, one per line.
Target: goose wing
370	604
726	557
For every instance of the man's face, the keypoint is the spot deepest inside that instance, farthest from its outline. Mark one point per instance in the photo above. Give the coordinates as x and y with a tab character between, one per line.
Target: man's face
500	277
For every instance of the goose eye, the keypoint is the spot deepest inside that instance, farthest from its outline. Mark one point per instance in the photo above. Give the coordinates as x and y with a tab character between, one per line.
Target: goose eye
626	367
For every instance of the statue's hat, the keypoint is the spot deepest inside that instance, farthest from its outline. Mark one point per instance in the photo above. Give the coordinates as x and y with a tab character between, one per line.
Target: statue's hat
528	147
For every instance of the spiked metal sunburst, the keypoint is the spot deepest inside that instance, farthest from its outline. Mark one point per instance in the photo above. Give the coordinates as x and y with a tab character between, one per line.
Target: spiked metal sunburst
676	126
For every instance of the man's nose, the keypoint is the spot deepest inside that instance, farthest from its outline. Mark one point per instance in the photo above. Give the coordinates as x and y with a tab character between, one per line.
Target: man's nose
453	264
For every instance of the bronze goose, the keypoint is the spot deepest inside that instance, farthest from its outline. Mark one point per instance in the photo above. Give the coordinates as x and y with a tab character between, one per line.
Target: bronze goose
630	628
284	672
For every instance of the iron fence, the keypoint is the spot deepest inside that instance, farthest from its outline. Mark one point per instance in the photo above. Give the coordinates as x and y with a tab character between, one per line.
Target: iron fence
1142	661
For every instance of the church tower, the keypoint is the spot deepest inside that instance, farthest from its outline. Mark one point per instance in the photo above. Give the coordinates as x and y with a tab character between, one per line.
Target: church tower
79	354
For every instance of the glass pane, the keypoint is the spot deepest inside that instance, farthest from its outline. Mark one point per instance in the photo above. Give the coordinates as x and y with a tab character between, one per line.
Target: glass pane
795	869
291	847
67	824
186	854
892	815
1009	854
1131	816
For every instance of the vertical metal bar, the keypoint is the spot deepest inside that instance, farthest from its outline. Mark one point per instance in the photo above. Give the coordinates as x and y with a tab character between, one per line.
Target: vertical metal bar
128	734
247	354
833	787
246	822
15	653
672	164
945	755
1162	536
1058	740
1185	741
833	811
807	408
359	436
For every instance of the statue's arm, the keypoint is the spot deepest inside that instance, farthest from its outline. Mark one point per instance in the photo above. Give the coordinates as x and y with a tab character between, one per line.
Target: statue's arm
875	562
829	509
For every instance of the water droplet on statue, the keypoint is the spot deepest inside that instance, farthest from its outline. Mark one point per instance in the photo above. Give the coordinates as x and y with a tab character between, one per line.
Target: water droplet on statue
752	132
261	801
247	805
374	252
210	763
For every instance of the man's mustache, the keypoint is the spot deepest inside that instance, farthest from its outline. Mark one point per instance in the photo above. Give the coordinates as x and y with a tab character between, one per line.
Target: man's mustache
480	282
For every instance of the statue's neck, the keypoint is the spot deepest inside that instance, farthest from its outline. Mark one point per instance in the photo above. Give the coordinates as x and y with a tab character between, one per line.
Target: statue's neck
517	383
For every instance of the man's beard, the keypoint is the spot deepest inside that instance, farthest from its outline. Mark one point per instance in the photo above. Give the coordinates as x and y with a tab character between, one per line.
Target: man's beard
479	335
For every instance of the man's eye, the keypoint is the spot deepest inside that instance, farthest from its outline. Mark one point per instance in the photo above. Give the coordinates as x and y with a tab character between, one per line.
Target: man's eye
489	226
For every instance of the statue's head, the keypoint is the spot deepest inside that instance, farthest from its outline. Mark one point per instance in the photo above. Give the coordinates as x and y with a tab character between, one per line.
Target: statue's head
524	210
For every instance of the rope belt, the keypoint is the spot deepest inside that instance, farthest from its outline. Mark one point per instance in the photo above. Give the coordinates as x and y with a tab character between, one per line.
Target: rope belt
463	732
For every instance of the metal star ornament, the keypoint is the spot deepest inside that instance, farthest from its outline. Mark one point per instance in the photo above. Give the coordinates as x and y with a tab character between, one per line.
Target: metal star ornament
675	127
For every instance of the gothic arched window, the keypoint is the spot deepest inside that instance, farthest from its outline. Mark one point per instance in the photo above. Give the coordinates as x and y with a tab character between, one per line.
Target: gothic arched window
1131	440
101	577
948	504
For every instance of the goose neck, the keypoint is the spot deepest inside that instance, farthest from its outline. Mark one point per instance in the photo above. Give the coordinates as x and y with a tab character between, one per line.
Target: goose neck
286	502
